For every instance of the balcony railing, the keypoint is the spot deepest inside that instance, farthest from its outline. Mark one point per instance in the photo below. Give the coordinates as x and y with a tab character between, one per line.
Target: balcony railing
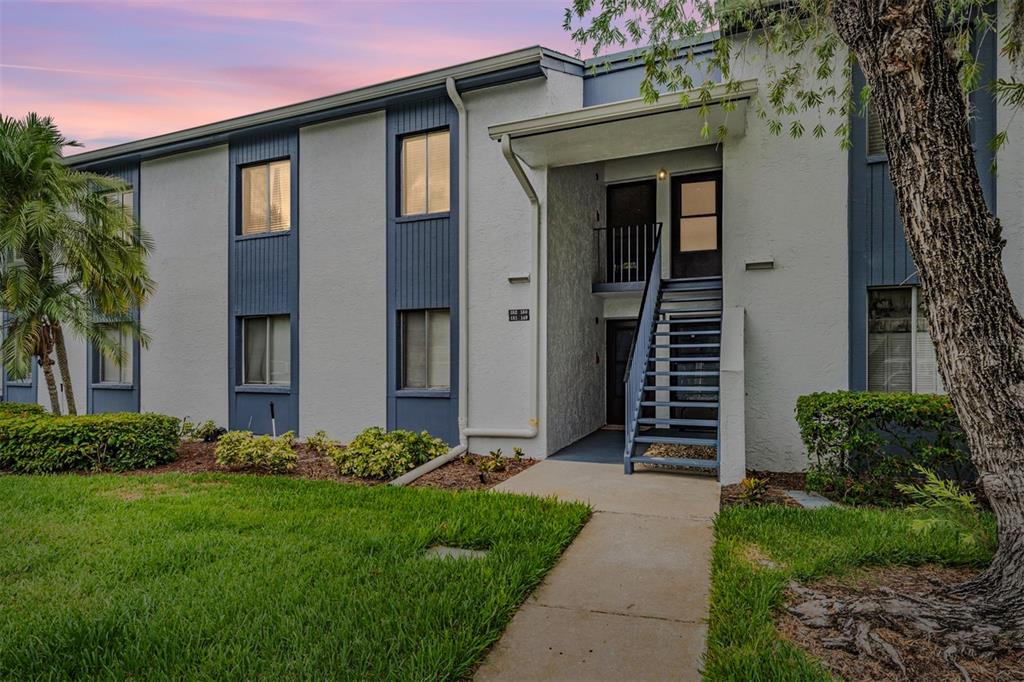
625	253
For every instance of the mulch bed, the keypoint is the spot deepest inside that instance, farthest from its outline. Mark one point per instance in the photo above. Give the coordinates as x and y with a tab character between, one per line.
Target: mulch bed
462	474
198	458
778	483
924	660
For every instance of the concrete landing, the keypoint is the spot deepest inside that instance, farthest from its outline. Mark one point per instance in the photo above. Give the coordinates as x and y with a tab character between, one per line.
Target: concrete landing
628	599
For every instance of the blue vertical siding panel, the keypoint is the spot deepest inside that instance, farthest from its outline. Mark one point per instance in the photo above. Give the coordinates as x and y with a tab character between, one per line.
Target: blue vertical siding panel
98	397
422	270
878	251
263	279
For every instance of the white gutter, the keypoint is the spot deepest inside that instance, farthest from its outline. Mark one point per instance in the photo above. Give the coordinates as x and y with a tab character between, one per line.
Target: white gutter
531	194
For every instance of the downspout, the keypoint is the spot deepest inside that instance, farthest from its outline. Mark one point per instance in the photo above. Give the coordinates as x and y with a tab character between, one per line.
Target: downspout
531	194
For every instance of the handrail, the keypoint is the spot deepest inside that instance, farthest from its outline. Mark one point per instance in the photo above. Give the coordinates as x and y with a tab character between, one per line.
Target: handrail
624	252
639	346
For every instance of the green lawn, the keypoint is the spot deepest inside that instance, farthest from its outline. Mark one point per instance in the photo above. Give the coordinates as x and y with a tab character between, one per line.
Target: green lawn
240	577
803	544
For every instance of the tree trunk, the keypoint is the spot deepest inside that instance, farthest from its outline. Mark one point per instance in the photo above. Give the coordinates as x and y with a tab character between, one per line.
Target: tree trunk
46	362
65	370
956	243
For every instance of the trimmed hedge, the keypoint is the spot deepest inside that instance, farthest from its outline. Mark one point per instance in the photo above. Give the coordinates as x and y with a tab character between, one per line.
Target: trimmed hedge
20	409
39	443
243	450
861	445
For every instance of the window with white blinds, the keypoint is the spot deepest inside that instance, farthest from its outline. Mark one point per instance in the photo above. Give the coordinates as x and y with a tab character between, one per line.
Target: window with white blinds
901	355
876	143
267	197
116	368
125	200
426	173
426	344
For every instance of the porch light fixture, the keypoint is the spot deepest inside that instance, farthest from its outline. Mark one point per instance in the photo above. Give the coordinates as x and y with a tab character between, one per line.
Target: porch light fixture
662	173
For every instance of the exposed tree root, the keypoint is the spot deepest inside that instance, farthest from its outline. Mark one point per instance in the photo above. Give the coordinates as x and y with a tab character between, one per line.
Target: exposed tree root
980	626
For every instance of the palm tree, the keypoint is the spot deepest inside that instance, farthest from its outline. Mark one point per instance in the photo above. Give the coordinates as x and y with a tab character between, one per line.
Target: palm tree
68	256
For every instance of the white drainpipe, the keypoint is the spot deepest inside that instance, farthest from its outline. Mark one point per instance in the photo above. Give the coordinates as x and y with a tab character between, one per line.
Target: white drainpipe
465	430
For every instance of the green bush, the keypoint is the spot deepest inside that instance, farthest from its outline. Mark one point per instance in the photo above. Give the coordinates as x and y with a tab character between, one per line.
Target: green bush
243	450
20	409
40	443
376	453
207	432
862	445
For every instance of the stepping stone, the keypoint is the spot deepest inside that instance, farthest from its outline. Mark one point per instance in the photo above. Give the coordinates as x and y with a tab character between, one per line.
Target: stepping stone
445	552
810	500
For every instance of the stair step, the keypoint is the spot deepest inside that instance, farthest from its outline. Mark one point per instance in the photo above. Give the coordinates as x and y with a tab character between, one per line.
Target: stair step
683	389
710	423
677	462
696	320
684	358
693	345
663	346
682	373
677	440
699	332
707	278
695	299
685	320
692	286
679	403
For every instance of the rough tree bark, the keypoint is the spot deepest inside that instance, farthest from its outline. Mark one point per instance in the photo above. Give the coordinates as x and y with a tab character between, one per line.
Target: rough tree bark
65	370
957	245
46	363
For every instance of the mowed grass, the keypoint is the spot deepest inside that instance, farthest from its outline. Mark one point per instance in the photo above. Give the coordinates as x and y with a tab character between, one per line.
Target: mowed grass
804	545
238	577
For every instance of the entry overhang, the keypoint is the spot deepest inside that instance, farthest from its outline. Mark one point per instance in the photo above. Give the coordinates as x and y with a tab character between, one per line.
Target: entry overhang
629	128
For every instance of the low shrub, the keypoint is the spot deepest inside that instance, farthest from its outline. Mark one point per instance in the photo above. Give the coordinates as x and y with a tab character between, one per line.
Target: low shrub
244	450
862	445
322	444
207	432
41	443
379	454
20	409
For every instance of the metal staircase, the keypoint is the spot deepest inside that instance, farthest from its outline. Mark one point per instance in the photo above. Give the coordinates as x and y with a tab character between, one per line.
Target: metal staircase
672	383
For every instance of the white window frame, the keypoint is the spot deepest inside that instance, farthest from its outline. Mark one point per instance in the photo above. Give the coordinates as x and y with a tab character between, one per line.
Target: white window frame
270	199
269	351
915	298
127	343
426	172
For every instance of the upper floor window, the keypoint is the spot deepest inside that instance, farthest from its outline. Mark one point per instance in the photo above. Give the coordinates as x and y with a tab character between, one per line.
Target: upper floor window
267	197
426	180
901	355
876	143
126	200
112	369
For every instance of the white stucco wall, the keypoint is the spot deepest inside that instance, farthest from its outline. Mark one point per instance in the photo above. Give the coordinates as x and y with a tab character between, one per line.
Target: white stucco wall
576	362
185	209
342	276
786	199
1010	179
499	245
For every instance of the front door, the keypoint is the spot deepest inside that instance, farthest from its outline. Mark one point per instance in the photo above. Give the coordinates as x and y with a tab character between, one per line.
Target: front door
620	337
631	214
697	225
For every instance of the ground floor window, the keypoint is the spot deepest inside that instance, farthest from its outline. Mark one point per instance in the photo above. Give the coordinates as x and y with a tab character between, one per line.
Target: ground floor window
426	348
116	367
901	356
267	343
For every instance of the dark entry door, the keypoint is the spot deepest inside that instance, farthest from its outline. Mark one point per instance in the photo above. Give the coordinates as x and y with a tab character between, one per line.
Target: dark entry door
620	336
697	225
632	211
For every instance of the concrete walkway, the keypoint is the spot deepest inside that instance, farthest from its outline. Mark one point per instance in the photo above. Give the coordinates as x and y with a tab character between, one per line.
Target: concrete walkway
628	599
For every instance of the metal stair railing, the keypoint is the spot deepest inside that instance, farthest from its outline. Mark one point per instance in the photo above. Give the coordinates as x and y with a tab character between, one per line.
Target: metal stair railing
639	349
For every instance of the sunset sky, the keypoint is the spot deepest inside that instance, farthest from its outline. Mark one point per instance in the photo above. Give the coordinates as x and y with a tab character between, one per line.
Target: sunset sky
114	71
